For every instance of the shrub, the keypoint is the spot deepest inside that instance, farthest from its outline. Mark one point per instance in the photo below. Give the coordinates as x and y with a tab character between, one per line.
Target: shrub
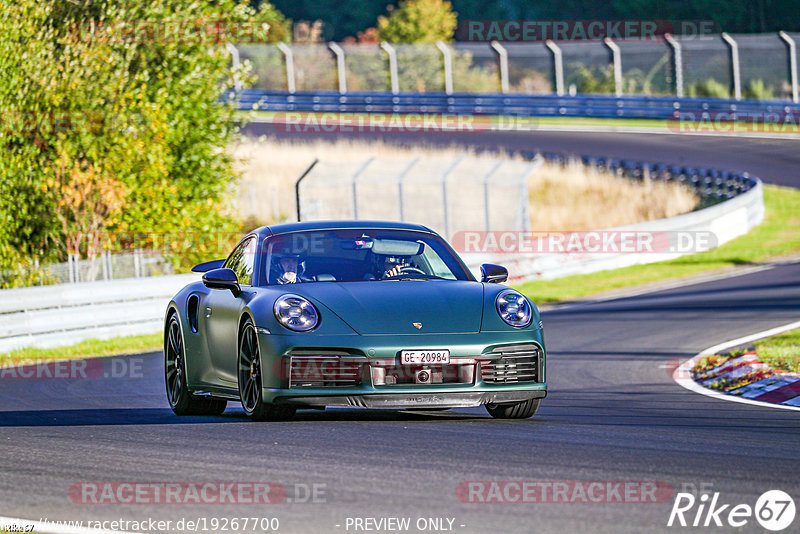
756	89
710	88
113	129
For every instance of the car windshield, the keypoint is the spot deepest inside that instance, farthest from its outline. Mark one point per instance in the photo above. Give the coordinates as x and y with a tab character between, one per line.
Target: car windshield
347	255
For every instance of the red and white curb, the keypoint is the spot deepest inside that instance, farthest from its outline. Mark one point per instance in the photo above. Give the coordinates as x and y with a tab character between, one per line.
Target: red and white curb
683	375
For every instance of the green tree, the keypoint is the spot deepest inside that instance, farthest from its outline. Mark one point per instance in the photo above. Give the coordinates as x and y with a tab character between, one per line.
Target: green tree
113	123
419	21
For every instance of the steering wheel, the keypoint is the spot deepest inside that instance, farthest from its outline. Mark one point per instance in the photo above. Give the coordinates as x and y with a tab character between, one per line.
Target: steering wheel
408	269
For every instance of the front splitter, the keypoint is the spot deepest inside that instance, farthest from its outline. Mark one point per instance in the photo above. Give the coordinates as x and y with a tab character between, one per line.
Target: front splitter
416	400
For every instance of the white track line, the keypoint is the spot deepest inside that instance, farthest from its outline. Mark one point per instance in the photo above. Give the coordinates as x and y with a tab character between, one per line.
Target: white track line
46	527
683	377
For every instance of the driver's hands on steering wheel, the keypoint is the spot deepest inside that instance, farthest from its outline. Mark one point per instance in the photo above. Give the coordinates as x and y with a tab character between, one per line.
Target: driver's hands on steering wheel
394	271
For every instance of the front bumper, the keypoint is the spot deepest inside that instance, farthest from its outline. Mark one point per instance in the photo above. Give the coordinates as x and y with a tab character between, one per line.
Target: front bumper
473	379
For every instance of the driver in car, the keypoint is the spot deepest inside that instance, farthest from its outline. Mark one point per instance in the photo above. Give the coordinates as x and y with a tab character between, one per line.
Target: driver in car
393	265
290	269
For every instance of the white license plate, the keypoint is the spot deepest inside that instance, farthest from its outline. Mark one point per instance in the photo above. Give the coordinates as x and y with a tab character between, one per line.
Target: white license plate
424	356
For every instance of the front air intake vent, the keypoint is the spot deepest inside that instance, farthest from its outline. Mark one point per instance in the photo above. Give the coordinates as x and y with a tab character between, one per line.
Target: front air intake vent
309	369
519	363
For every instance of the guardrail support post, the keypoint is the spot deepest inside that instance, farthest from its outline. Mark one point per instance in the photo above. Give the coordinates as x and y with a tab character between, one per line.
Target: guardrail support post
792	64
447	59
677	63
393	76
734	52
340	66
616	58
558	66
502	56
358	173
288	59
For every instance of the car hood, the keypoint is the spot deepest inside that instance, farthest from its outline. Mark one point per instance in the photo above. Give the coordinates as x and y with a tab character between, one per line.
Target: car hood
392	307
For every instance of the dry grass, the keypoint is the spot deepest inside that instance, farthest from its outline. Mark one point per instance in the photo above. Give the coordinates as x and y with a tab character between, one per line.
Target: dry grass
576	197
571	198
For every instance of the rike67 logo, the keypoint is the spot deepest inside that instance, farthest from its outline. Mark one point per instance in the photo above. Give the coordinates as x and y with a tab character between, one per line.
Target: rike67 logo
774	510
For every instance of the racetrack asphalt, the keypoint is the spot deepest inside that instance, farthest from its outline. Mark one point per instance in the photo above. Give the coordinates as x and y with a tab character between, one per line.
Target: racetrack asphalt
613	412
773	160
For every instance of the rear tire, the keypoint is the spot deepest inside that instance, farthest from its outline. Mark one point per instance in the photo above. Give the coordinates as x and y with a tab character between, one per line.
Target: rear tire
517	410
250	383
181	400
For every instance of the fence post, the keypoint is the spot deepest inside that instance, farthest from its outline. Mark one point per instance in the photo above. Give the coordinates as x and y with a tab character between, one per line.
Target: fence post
502	56
340	66
486	190
792	64
445	176
104	264
524	206
393	77
734	52
72	267
447	59
110	265
558	66
677	63
297	187
288	58
616	58
137	263
358	173
400	179
237	83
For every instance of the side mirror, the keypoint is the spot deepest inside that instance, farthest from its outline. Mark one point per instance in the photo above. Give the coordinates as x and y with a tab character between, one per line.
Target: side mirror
494	274
222	279
207	266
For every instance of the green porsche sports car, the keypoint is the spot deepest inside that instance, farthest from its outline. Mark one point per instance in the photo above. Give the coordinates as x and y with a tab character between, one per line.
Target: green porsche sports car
351	313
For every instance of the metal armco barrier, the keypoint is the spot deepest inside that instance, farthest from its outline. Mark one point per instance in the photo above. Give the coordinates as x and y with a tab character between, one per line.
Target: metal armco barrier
51	316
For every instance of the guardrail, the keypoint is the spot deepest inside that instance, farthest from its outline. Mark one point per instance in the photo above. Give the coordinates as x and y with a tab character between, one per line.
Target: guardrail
50	316
602	106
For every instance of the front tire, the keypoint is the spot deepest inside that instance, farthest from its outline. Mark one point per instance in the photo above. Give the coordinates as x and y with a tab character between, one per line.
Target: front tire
181	400
517	410
250	381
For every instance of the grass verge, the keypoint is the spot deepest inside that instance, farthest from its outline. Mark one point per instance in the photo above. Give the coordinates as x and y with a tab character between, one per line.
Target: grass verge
91	348
781	352
777	236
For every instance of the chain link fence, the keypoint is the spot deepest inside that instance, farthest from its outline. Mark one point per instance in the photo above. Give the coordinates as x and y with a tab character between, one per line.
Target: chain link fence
106	266
746	65
447	195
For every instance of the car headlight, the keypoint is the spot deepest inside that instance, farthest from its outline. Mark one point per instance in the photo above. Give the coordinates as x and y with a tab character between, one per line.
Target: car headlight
296	313
514	309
